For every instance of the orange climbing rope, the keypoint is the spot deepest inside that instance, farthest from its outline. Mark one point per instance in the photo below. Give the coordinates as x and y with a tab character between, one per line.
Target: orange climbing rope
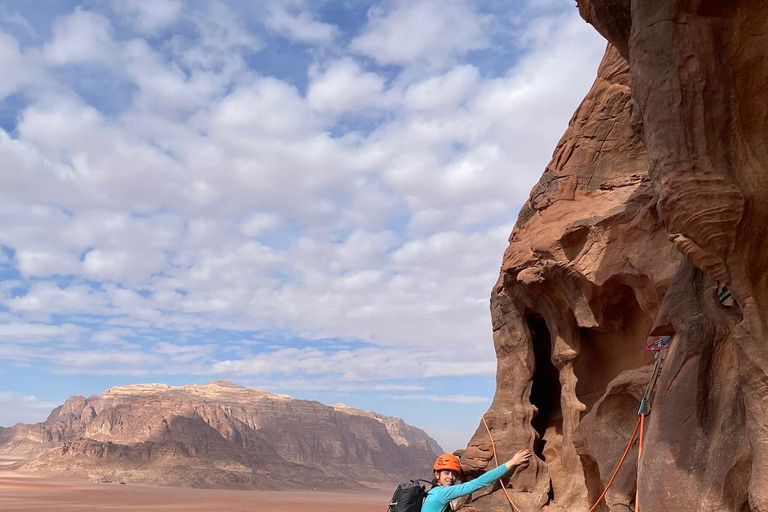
616	471
496	458
645	410
639	454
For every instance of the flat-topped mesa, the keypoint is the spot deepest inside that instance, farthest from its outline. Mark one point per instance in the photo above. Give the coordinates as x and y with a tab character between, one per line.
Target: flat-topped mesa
216	390
221	435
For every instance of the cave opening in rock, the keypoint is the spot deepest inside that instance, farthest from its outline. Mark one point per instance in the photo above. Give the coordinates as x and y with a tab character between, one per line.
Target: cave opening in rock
545	396
616	346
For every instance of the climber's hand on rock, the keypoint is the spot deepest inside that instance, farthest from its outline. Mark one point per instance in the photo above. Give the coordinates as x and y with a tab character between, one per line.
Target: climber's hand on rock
521	459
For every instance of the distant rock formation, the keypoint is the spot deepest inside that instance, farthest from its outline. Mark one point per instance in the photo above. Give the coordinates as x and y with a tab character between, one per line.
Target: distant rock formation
656	199
220	435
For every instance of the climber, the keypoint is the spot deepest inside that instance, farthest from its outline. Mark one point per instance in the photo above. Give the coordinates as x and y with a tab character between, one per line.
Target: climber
447	471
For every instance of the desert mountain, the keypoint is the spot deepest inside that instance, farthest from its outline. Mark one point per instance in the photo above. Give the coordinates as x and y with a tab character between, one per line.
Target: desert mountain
220	435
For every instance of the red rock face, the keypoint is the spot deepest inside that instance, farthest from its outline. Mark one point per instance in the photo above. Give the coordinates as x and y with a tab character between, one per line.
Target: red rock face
698	79
655	199
221	435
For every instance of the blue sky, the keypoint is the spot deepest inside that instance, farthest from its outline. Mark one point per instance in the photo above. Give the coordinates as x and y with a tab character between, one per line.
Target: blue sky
311	198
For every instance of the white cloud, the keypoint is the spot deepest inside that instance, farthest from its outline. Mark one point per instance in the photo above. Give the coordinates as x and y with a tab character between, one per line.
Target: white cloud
19	69
201	63
359	365
59	121
109	265
299	24
81	37
222	40
228	264
117	230
24	333
259	223
458	399
443	92
48	298
149	17
45	263
20	408
166	87
183	354
328	383
428	31
113	337
105	362
266	107
364	249
343	86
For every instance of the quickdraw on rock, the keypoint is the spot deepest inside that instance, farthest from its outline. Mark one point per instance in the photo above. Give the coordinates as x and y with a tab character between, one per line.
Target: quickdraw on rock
656	347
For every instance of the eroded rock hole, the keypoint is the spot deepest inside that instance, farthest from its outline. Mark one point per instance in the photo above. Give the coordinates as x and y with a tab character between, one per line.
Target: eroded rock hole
615	347
545	396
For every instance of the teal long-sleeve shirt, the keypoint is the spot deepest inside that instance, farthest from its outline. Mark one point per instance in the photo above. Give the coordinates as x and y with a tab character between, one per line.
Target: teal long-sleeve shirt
438	497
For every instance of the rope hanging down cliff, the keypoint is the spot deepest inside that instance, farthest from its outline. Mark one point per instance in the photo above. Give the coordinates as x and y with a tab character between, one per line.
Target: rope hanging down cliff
496	459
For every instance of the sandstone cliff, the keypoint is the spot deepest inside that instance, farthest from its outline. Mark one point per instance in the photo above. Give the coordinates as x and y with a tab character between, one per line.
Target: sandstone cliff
655	200
220	435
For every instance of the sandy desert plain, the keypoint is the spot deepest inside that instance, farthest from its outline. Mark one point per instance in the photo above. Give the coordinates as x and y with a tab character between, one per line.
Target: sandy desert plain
24	492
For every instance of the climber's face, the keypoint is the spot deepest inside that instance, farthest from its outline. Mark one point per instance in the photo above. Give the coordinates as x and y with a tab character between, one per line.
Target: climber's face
446	477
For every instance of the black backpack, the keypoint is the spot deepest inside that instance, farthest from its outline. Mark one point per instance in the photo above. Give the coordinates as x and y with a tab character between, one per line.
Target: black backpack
409	496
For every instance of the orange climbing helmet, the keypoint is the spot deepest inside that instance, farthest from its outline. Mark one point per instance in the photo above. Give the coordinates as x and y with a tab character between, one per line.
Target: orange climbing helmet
447	461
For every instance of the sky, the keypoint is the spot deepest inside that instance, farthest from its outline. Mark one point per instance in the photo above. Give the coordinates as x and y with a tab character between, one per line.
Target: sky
310	198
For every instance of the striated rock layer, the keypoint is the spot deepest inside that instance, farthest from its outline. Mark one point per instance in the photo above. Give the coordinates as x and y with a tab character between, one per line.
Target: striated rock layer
656	198
220	435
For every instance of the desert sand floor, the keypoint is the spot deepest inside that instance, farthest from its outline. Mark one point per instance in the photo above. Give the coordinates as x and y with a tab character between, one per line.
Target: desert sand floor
25	493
